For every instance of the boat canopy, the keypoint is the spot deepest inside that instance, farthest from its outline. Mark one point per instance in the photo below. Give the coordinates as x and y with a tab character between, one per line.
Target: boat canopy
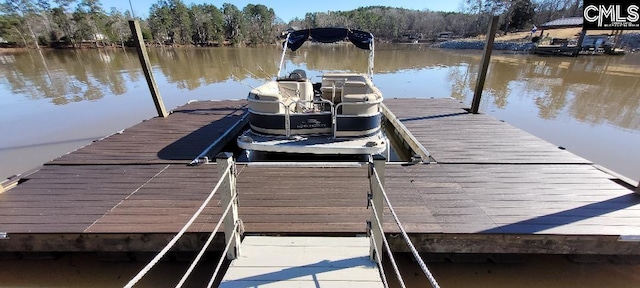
359	38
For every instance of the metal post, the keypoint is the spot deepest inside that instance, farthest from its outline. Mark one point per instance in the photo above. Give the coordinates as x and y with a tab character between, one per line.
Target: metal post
225	162
378	202
146	67
486	56
580	40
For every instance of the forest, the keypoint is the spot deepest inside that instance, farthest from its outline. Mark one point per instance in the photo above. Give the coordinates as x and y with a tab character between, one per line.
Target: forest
86	23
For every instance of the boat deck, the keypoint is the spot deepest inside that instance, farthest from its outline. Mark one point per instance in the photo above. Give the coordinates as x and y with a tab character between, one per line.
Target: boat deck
493	189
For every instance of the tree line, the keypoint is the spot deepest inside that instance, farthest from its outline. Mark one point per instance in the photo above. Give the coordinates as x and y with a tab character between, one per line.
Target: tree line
73	23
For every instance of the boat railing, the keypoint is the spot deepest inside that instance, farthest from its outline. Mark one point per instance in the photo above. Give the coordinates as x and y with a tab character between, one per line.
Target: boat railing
232	224
334	109
287	113
377	198
334	115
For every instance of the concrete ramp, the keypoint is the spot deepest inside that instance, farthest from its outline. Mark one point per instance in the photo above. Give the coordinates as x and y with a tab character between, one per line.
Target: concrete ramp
267	261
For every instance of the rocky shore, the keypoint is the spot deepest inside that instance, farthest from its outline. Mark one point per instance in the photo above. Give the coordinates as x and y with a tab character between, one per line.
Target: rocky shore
629	42
479	45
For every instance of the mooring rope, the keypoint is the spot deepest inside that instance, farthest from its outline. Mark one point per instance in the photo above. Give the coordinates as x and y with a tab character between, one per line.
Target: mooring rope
206	245
421	263
175	239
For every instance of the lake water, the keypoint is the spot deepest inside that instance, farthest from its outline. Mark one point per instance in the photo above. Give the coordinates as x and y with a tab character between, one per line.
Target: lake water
57	101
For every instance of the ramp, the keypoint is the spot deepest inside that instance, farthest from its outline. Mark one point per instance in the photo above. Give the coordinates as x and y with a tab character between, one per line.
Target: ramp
267	261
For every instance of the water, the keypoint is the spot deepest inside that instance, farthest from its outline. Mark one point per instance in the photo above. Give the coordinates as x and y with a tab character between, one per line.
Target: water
57	101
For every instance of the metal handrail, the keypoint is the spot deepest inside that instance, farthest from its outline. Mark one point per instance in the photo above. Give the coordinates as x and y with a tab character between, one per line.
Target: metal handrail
334	111
376	180
226	179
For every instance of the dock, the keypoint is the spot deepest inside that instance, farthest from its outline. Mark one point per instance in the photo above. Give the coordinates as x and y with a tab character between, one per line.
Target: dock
486	188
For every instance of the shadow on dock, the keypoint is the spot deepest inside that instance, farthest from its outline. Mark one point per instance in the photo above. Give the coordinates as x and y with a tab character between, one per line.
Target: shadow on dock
590	211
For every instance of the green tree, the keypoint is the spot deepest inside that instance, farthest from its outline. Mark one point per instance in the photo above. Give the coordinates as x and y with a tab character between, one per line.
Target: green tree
208	24
31	12
118	26
90	18
233	23
10	28
260	20
182	21
61	18
161	22
521	14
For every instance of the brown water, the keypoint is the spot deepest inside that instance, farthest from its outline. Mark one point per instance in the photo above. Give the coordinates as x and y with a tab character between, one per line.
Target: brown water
58	101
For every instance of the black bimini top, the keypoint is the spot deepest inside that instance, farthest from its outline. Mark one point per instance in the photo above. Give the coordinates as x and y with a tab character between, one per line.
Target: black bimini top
359	38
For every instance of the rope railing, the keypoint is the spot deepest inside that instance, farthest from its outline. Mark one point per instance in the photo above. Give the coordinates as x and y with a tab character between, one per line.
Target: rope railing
378	256
219	265
195	261
226	170
377	200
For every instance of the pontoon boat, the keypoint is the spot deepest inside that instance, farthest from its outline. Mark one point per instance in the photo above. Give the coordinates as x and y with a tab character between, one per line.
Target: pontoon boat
338	115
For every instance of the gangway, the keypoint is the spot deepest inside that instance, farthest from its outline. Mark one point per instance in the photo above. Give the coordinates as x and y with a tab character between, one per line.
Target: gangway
279	261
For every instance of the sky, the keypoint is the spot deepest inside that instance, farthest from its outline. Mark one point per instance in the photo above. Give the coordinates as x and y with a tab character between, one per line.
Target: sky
287	9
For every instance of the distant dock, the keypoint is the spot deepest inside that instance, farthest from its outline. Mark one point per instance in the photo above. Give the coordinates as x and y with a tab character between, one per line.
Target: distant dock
490	189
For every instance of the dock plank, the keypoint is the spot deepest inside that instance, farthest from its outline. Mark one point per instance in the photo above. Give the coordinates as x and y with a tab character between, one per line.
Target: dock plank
452	135
178	138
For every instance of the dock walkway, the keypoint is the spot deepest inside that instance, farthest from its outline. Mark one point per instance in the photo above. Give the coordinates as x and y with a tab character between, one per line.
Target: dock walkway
303	262
492	189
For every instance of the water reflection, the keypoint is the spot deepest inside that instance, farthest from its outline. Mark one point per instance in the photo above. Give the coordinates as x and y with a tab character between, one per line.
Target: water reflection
591	89
597	90
69	76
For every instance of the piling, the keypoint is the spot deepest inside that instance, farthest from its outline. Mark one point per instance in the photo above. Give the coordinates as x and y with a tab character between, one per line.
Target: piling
486	56
146	67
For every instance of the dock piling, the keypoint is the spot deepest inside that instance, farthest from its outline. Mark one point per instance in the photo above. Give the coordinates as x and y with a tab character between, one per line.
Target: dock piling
486	56
146	67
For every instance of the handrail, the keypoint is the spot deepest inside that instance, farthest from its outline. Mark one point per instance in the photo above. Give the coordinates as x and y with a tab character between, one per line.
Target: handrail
226	170
334	114
194	263
377	198
333	111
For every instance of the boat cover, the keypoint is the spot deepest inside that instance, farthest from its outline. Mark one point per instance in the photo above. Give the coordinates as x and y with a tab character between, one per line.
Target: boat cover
359	38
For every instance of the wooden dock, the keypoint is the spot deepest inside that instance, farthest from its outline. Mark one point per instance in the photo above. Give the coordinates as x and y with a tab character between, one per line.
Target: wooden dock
492	189
279	261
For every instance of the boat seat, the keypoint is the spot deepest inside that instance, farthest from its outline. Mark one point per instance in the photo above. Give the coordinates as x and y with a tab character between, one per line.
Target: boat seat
270	92
356	87
360	91
333	94
297	90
